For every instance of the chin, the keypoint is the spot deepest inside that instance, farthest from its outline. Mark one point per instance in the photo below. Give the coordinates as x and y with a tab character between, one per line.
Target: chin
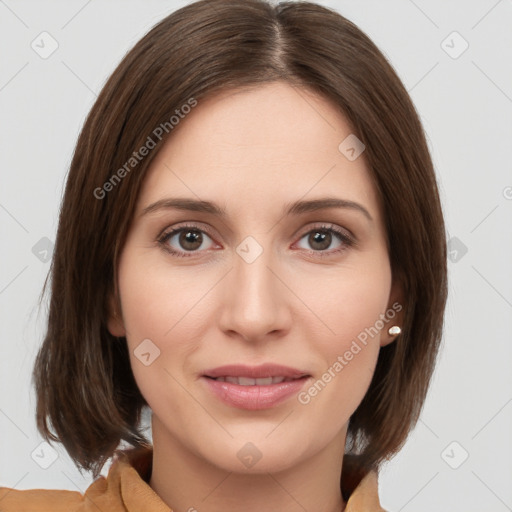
254	457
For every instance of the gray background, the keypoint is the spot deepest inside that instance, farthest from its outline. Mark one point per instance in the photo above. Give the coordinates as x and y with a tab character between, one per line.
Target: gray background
465	102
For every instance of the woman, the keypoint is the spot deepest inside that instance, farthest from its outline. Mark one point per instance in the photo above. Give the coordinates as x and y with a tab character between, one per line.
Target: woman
251	245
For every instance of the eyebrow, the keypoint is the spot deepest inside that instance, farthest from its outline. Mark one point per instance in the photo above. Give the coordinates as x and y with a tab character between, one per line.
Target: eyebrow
295	208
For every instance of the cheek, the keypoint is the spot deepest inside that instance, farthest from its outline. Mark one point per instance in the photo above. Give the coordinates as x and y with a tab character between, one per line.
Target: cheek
350	308
348	304
163	318
155	299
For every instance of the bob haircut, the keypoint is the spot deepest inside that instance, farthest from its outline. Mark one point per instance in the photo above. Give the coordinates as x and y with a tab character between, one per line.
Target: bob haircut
85	389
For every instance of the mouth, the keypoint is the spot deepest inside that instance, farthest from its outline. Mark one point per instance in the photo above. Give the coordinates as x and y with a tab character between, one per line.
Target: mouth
263	371
248	381
254	388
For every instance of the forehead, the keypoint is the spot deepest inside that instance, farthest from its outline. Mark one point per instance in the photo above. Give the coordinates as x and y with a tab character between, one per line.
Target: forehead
245	147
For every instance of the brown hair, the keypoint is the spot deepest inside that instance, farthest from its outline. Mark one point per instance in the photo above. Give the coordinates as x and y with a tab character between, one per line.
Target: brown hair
82	375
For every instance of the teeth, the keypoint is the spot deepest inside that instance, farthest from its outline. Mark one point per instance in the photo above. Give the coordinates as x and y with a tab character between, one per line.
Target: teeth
247	381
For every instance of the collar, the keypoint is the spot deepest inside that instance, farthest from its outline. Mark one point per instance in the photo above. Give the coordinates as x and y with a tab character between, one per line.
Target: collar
130	473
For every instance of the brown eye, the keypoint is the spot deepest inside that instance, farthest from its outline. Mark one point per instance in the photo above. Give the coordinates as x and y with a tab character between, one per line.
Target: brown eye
320	240
185	239
190	240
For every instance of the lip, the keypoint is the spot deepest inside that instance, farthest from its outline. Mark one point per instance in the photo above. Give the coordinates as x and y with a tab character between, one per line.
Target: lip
255	372
255	397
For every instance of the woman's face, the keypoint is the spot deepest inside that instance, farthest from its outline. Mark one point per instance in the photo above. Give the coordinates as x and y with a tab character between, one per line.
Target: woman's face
264	283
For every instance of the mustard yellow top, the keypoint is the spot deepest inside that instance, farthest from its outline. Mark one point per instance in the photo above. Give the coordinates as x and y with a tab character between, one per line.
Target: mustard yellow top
126	489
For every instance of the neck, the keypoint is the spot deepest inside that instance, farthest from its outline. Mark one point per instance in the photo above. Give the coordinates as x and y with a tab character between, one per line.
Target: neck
188	482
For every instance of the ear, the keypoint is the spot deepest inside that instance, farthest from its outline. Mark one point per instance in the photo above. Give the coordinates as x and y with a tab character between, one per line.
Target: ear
395	313
115	322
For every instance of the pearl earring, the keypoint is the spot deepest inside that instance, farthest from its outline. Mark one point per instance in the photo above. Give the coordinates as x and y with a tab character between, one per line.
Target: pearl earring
394	331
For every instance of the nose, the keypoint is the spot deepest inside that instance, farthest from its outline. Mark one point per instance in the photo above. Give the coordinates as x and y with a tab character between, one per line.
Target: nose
256	302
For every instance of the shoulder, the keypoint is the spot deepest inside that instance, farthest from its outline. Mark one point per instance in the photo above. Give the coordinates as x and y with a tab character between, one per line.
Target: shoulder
42	500
35	500
366	495
123	483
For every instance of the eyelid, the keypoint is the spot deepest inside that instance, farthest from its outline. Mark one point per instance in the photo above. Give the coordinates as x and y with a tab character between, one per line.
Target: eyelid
204	227
342	231
184	225
345	236
168	232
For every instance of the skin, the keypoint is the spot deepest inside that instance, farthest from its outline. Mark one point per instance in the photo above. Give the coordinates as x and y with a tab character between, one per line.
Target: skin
252	151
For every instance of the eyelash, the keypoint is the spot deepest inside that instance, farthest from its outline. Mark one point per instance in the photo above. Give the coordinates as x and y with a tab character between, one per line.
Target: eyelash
347	240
